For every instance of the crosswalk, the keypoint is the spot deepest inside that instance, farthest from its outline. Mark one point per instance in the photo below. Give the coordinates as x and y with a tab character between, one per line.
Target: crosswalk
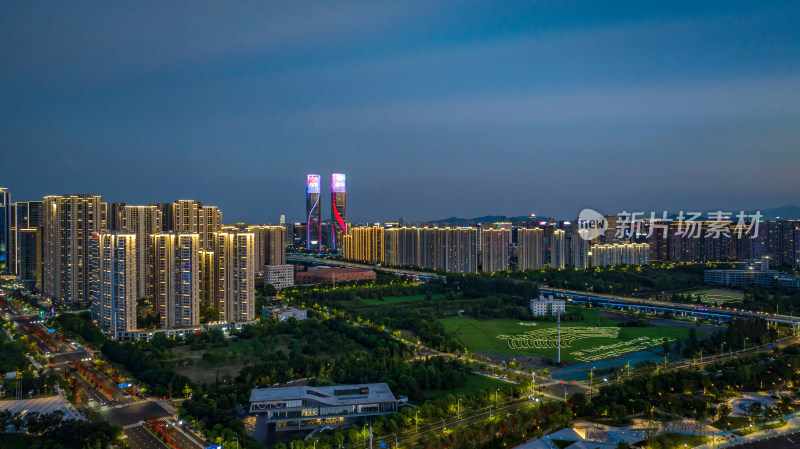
139	423
117	406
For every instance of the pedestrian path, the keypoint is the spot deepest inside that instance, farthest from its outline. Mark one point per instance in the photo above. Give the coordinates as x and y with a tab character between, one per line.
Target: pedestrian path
139	423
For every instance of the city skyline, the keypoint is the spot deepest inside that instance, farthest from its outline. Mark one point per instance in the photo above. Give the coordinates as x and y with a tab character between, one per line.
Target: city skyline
675	105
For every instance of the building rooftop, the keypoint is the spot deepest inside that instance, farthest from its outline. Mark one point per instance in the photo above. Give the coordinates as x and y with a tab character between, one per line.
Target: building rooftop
338	394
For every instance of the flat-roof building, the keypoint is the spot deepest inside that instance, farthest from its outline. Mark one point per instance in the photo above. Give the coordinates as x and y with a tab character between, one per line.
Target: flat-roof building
304	407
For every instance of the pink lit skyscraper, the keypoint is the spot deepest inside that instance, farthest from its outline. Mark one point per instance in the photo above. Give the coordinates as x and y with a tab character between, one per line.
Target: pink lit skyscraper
338	210
313	214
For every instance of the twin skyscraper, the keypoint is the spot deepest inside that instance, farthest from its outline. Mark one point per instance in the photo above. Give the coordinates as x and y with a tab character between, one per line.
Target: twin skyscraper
314	212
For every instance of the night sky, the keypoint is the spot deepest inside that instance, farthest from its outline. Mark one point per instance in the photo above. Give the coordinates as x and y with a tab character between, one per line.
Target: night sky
432	109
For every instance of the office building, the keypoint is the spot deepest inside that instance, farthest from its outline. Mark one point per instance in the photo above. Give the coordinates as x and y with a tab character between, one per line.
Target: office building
70	220
234	267
7	264
143	221
529	249
176	278
365	244
547	307
279	276
338	211
313	214
112	286
305	407
495	249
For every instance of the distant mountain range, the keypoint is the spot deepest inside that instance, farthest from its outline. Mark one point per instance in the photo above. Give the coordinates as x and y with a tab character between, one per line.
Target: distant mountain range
784	212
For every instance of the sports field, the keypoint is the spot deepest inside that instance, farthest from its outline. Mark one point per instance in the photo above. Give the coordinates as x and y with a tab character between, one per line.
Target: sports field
584	341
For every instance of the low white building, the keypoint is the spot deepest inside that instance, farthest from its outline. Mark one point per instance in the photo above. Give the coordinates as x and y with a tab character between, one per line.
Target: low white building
280	276
547	307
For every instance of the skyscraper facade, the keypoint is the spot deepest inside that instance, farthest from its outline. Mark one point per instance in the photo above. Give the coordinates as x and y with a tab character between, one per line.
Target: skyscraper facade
112	286
529	249
7	264
313	214
495	244
365	244
557	249
338	210
70	220
185	214
143	221
234	275
29	225
176	278
209	221
269	245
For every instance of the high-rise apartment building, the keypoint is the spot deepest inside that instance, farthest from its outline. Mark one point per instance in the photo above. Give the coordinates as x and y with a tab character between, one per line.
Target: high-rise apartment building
365	244
495	245
234	275
143	221
557	249
115	216
185	215
29	226
176	278
781	246
403	246
270	245
313	214
167	215
579	247
70	220
338	211
112	286
620	254
209	221
529	249
7	264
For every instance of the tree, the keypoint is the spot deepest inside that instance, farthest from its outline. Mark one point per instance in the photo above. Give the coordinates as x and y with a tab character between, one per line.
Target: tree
724	410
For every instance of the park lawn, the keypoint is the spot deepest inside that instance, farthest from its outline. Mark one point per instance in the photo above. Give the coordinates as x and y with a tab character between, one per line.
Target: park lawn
397	299
679	440
482	336
731	422
718	296
474	383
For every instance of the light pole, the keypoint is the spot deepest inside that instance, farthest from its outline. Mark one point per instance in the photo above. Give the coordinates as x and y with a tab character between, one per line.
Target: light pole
443	425
237	442
495	396
395	440
744	344
591	383
458	409
416	422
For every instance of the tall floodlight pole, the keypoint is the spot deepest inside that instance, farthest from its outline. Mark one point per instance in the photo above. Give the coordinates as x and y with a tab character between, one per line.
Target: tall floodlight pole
559	337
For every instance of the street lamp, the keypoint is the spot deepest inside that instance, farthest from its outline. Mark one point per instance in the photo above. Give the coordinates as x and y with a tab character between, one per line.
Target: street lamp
495	395
416	422
458	409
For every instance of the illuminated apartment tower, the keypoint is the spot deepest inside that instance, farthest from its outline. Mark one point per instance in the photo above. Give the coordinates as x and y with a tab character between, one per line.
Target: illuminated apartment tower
338	210
579	245
69	222
7	265
209	221
365	244
28	242
176	278
270	245
143	221
557	249
185	214
313	214
112	286
234	269
495	249
529	249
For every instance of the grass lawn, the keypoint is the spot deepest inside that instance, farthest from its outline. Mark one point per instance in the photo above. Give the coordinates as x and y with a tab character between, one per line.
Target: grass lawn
583	341
474	383
749	430
718	296
678	440
397	299
731	422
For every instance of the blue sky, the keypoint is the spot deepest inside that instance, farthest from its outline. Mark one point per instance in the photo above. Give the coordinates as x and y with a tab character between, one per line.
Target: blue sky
432	109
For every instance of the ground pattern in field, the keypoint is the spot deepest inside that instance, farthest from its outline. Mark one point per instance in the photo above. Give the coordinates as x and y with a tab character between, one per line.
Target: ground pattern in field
548	338
615	350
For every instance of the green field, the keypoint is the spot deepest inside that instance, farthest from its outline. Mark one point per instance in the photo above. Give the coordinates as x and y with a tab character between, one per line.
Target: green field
474	383
583	341
396	299
718	296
